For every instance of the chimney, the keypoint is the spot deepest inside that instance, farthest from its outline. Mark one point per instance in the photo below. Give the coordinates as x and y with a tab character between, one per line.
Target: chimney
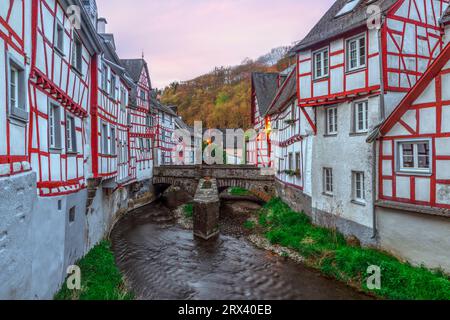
101	25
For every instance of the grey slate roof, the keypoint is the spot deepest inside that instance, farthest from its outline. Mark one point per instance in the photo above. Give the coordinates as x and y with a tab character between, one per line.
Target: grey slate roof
156	105
285	93
134	67
330	26
265	86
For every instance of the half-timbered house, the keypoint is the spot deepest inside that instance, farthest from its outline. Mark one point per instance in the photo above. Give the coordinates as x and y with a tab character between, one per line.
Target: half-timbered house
258	149
165	146
352	70
141	119
413	207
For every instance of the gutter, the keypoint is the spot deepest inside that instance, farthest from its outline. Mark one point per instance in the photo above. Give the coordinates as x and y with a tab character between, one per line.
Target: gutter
382	117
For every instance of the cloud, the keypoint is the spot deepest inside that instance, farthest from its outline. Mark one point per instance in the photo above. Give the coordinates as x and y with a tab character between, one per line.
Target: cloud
182	39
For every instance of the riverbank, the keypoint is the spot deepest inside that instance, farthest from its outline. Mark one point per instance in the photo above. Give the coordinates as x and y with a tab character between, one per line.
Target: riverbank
100	278
288	233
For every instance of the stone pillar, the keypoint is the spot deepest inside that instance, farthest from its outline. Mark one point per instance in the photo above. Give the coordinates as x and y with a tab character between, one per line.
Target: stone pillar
206	210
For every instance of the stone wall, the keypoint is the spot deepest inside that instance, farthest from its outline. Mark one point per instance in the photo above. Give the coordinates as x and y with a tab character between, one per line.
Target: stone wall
41	236
416	237
295	198
17	197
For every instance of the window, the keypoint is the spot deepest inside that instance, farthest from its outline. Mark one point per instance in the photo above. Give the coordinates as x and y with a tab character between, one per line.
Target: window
16	91
105	144
72	212
54	126
356	53
104	77
414	156
328	181
149	145
321	64
112	88
76	54
361	116
359	189
141	144
58	40
348	7
71	137
123	98
149	121
297	162
331	121
113	141
291	163
143	96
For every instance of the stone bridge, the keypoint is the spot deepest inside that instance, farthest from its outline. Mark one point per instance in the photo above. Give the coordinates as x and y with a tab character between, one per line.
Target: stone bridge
227	176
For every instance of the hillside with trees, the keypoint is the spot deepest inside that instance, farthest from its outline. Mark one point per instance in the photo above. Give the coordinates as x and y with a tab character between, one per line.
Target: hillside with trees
221	98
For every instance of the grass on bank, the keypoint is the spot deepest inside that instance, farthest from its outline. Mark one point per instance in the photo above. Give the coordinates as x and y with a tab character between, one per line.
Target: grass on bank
239	192
188	210
328	251
100	278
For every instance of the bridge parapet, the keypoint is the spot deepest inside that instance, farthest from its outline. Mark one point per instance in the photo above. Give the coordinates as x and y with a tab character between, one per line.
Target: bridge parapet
243	176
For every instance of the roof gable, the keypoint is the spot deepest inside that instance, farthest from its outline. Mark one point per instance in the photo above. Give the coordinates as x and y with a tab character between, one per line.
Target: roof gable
285	93
264	86
416	92
330	25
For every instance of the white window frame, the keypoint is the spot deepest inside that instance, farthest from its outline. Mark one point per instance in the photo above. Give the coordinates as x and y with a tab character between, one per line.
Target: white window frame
113	141
331	113
323	66
105	138
356	112
358	52
58	39
71	134
112	86
17	107
77	54
358	177
54	126
415	169
328	183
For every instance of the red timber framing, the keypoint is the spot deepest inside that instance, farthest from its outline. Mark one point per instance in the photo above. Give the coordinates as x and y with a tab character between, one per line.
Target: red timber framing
340	84
259	147
422	116
141	127
111	123
13	134
163	137
412	39
55	82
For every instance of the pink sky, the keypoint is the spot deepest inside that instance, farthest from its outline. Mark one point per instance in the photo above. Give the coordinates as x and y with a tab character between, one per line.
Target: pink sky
183	39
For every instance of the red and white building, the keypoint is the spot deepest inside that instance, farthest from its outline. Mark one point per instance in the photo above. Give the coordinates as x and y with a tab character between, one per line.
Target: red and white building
351	76
165	146
141	120
258	148
414	170
15	52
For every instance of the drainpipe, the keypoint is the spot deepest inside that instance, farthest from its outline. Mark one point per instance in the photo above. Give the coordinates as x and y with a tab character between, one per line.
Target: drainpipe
382	116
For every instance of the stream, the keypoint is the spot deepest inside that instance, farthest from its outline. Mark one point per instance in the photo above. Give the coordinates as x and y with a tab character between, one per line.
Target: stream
160	261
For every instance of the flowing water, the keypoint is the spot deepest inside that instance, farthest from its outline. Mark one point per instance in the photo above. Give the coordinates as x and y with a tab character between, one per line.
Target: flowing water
162	261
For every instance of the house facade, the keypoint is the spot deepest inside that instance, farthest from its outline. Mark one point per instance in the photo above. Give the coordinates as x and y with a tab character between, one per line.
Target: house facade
352	72
70	159
258	149
165	126
141	120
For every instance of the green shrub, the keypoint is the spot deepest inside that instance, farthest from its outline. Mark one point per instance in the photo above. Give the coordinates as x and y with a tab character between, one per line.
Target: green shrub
188	210
100	278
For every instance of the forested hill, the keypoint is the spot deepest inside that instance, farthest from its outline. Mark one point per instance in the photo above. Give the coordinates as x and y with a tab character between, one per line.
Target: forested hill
221	98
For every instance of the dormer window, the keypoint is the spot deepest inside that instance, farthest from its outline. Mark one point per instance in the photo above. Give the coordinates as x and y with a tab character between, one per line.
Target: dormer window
321	64
348	7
